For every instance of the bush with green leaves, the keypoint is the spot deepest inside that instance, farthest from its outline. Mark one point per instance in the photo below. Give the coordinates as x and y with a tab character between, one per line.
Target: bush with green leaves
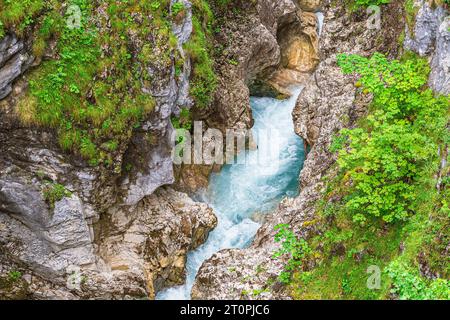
356	4
407	284
14	275
297	249
177	7
386	158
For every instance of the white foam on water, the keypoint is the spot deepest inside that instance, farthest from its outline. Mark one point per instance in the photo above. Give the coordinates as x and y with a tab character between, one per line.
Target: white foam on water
239	191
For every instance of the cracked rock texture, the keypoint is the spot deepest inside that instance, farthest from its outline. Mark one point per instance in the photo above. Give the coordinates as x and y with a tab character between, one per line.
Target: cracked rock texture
112	235
14	61
265	46
431	37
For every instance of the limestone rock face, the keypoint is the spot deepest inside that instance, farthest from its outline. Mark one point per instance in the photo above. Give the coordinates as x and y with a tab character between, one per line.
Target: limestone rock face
150	151
431	37
249	51
299	43
270	35
440	64
326	104
108	235
300	47
14	61
137	250
151	241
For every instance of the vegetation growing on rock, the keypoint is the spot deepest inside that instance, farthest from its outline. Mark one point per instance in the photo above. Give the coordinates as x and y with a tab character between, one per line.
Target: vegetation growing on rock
366	3
388	157
387	205
93	91
54	192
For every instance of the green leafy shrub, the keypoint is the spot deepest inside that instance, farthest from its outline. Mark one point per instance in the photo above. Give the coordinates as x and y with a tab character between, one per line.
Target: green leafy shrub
184	121
385	160
409	285
54	192
388	171
14	275
177	7
296	248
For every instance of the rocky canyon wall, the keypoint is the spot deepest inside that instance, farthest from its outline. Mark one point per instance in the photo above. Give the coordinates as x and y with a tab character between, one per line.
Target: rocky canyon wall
110	235
328	102
123	233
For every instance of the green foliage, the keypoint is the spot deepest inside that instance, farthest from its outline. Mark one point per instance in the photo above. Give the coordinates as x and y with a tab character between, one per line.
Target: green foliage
92	94
2	30
184	121
18	14
14	275
409	285
296	248
387	158
95	114
54	192
356	4
177	7
203	81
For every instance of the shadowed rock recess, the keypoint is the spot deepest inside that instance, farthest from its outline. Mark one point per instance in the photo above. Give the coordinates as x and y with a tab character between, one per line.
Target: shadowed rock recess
91	204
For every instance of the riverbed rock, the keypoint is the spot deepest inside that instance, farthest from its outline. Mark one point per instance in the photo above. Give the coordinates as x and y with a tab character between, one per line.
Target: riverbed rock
137	250
152	240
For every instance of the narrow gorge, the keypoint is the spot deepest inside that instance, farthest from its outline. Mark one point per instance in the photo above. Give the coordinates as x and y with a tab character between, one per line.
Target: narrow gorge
343	113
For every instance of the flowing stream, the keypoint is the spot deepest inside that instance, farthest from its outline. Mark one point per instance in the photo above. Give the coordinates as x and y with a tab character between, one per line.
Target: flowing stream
241	192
